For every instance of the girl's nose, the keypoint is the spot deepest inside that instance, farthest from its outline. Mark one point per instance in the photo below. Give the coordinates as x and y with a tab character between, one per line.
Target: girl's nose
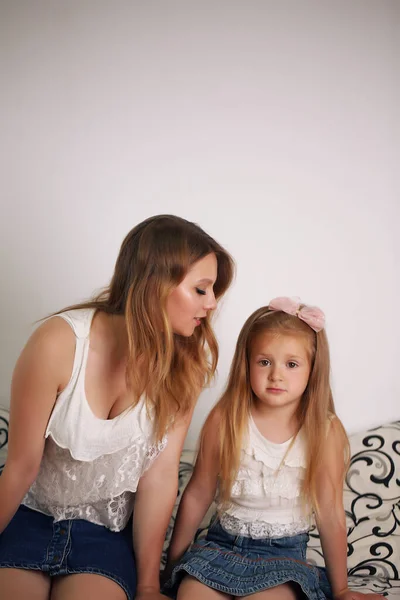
275	374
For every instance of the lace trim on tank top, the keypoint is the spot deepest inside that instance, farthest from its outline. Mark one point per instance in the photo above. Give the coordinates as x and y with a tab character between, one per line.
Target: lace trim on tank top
261	529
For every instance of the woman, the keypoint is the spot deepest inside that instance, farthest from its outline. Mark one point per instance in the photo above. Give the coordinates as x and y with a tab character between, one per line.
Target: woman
102	397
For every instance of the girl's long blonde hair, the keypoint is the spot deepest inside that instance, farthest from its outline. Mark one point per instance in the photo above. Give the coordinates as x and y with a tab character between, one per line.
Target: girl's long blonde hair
314	412
154	258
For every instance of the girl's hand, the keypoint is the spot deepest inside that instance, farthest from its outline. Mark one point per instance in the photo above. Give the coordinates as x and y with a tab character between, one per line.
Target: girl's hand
349	595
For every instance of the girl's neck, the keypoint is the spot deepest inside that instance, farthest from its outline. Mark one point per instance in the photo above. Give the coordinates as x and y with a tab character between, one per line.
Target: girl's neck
277	426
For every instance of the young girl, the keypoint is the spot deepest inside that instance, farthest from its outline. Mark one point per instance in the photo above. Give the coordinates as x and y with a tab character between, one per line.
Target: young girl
275	451
102	397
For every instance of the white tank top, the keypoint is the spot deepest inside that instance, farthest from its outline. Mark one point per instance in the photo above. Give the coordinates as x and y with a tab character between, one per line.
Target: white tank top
91	467
265	499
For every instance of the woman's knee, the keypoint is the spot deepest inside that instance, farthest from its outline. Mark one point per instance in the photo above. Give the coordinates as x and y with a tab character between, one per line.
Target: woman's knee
19	584
86	585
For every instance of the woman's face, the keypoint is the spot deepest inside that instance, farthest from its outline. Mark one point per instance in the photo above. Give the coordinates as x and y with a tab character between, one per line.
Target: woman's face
194	297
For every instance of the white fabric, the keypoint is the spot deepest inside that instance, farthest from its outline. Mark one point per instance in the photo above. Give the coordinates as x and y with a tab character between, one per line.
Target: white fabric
265	499
91	467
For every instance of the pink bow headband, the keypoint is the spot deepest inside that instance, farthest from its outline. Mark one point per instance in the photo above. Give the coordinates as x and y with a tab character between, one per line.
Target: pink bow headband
313	316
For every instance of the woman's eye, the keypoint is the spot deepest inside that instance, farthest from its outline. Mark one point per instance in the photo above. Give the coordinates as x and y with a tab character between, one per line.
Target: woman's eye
292	365
201	292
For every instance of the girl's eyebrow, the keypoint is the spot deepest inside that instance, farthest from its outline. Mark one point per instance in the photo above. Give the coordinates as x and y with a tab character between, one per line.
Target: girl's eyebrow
288	356
205	280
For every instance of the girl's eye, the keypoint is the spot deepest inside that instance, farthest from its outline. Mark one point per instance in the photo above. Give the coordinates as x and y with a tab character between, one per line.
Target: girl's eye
292	365
264	362
201	292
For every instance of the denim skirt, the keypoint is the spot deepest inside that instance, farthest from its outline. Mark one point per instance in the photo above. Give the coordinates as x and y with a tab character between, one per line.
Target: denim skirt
240	566
34	541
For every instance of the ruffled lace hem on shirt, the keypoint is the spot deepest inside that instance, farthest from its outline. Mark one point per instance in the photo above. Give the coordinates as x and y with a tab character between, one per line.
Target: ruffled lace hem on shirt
262	529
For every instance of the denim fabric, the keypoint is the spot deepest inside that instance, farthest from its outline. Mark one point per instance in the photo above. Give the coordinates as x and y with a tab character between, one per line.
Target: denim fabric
34	541
240	566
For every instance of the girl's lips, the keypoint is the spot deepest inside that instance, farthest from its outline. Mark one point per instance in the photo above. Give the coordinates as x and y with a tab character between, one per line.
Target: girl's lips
275	390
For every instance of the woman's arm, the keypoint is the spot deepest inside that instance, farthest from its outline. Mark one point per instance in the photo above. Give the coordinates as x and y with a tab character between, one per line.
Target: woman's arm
199	493
155	498
331	521
43	368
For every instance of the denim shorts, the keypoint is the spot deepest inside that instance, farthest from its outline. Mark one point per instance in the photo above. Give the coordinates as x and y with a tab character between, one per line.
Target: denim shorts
34	541
240	566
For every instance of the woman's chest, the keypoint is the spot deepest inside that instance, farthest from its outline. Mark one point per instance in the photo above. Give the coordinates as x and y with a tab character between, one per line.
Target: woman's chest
106	387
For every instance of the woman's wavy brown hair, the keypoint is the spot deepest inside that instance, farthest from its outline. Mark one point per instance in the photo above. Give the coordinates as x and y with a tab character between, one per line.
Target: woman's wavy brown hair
154	258
315	410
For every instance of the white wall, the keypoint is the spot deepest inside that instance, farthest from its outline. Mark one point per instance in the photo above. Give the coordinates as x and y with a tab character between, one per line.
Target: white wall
275	125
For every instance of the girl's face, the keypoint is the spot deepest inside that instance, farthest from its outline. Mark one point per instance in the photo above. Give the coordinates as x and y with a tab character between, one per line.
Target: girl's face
279	369
194	297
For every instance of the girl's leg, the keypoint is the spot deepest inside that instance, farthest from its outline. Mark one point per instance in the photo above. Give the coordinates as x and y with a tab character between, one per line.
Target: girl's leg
285	591
192	589
20	584
87	586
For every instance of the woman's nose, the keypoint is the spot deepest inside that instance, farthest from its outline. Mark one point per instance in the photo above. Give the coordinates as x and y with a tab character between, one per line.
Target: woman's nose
211	302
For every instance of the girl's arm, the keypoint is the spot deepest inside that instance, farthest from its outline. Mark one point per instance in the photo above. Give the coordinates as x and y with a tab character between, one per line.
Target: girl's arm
42	370
331	521
199	493
154	501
